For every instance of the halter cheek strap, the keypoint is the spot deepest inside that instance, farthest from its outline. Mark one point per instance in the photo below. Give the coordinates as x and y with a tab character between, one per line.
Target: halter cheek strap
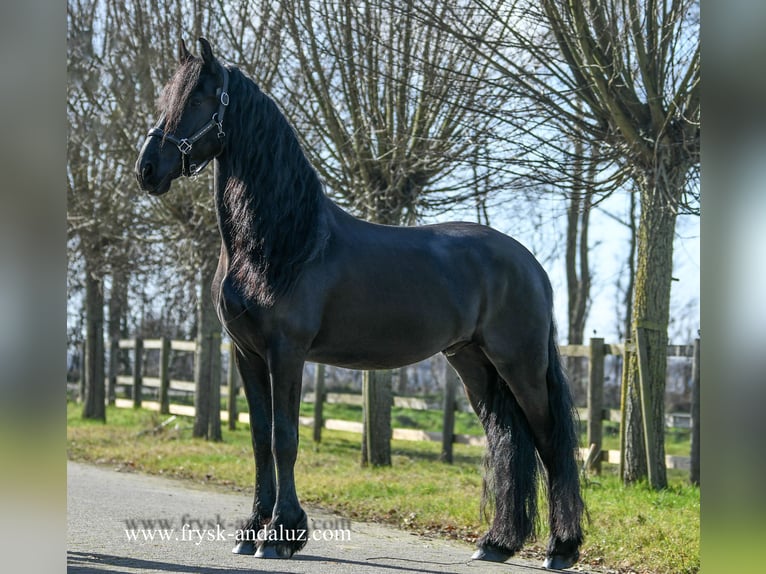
185	145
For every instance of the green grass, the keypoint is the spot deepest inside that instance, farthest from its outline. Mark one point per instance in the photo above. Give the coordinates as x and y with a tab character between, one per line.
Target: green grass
677	441
631	529
465	423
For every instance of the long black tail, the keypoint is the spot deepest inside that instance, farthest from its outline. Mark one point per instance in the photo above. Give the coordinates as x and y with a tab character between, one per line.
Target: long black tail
510	476
565	503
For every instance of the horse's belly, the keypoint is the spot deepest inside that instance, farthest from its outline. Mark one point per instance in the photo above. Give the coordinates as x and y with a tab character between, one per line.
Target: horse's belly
383	340
367	359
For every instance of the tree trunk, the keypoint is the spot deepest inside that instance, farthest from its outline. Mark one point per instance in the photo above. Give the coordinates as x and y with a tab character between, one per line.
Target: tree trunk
378	399
214	417
451	382
651	308
631	268
401	388
93	402
578	283
377	386
207	417
577	265
694	474
118	307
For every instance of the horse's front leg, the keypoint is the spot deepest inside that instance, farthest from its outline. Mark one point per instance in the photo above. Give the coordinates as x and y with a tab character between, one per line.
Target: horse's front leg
255	380
288	529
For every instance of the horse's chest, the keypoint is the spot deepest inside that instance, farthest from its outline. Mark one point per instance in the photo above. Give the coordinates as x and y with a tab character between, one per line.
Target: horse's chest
237	317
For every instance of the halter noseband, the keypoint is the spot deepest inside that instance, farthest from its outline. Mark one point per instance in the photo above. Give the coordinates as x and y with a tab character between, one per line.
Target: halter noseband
184	145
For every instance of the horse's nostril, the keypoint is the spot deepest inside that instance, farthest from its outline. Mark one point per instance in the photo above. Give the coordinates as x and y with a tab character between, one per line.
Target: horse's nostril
146	170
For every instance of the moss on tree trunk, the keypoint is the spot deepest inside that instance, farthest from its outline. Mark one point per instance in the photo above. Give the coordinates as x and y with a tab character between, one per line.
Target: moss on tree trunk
660	190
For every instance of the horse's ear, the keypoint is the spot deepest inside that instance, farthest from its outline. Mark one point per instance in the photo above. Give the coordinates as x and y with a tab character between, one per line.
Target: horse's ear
183	54
207	54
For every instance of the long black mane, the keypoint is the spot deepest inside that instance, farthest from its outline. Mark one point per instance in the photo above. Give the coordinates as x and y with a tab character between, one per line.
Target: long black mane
269	198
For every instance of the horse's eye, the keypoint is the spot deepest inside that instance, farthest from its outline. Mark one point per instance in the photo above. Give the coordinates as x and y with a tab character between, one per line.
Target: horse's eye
195	102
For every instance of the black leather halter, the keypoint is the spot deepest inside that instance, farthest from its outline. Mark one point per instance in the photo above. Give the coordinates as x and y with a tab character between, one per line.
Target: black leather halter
184	145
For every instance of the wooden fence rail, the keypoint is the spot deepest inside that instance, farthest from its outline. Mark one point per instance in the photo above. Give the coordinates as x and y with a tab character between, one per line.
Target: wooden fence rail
138	380
596	352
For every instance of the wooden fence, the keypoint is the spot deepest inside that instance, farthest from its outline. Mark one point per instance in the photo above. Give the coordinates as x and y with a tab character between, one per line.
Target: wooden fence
596	352
137	381
595	413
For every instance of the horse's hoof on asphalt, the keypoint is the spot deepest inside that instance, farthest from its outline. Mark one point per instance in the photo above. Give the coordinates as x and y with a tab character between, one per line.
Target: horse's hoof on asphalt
558	562
266	552
246	547
490	555
278	552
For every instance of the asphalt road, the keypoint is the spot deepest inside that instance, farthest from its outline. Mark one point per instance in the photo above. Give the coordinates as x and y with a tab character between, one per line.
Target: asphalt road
112	516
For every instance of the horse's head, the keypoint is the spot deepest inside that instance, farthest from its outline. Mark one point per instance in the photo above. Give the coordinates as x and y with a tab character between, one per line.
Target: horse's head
189	132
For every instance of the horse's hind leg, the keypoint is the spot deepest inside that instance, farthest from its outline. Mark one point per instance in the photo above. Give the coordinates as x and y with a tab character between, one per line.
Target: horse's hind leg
255	379
533	374
510	474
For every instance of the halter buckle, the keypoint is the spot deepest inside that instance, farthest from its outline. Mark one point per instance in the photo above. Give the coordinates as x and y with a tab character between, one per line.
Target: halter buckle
184	146
219	124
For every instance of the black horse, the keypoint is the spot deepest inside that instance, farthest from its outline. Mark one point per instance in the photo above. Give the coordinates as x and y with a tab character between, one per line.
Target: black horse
299	279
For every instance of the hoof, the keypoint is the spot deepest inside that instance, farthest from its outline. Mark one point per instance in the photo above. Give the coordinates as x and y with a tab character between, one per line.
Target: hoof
245	547
274	552
559	562
491	554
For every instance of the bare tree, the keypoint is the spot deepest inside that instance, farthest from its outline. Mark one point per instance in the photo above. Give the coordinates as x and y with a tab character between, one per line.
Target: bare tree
119	53
99	210
390	114
390	110
624	74
577	258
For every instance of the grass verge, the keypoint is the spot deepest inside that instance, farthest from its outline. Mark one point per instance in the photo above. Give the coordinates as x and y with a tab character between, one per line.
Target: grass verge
677	441
630	530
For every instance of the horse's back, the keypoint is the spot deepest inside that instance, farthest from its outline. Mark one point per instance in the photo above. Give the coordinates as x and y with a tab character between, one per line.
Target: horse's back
401	294
450	243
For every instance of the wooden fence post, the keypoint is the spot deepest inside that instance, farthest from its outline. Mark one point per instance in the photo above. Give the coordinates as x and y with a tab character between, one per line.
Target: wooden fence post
595	400
138	366
164	375
647	414
319	395
694	475
626	352
448	426
233	384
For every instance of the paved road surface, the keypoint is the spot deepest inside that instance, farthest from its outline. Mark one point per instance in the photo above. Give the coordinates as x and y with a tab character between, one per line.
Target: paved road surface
103	504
